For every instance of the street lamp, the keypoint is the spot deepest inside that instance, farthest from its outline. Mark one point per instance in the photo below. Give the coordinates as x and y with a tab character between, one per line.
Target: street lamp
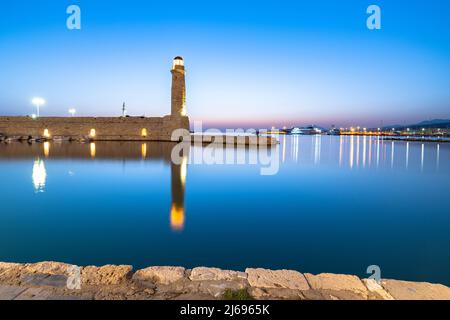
38	102
72	111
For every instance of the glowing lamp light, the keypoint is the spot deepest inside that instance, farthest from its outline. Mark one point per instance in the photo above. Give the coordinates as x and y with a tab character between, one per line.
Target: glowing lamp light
38	103
92	133
178	62
46	133
72	111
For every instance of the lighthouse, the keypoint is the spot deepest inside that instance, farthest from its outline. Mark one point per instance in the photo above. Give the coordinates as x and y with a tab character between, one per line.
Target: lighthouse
178	88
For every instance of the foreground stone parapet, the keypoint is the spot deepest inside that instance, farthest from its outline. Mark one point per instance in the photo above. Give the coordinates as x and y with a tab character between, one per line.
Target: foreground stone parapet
406	290
287	279
202	273
337	283
52	281
162	275
106	275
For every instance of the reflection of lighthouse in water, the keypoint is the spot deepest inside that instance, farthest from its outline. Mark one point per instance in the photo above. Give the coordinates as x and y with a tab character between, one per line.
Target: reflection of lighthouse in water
177	217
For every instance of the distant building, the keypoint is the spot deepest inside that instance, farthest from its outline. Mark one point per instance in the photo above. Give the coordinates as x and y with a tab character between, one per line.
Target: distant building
309	130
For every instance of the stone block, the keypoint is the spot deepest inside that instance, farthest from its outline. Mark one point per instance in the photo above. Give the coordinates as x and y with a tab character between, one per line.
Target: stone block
106	275
406	290
203	273
48	267
288	279
337	282
160	275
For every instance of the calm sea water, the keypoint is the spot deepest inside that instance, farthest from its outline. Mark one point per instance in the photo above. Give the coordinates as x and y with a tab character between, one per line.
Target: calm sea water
337	204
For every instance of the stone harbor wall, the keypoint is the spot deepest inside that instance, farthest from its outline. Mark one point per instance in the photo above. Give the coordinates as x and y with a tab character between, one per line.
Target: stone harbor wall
48	281
100	129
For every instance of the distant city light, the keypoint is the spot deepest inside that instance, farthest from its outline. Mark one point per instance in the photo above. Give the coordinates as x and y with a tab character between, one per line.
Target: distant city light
38	103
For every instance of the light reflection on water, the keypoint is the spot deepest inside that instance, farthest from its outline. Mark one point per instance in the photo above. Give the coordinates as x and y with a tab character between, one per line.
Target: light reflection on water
39	175
337	204
355	151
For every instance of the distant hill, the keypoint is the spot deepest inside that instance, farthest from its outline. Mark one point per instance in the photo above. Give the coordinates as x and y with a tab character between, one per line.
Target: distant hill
436	123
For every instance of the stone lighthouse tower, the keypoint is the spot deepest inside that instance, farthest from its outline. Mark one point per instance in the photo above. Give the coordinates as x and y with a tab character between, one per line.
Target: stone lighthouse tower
178	88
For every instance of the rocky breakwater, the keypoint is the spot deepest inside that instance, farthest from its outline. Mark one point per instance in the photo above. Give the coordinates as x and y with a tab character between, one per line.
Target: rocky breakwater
41	139
49	281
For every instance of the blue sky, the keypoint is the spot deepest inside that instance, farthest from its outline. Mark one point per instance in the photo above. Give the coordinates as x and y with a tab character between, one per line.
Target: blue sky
249	63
